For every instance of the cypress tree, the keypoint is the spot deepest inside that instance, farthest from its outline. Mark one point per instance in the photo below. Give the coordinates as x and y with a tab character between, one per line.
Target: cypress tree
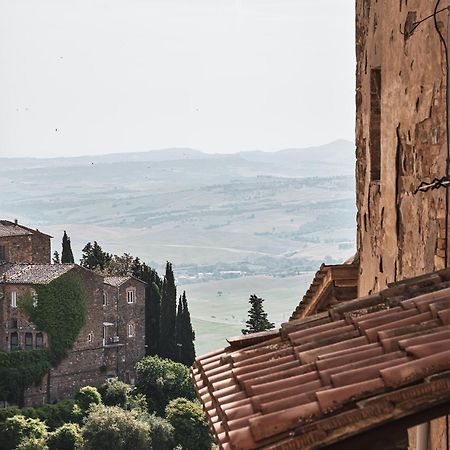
55	258
66	255
187	334
152	319
168	315
179	331
257	320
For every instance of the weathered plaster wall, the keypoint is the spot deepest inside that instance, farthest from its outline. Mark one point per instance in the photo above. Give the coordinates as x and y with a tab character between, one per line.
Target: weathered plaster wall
400	234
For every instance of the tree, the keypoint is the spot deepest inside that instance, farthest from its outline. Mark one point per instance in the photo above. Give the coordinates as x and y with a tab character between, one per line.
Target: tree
167	344
55	258
87	396
94	258
18	429
189	423
66	437
109	427
152	319
257	320
115	393
185	335
66	255
162	380
161	433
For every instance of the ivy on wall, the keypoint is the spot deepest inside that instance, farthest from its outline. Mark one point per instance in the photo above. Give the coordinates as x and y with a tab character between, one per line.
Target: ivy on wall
19	370
59	309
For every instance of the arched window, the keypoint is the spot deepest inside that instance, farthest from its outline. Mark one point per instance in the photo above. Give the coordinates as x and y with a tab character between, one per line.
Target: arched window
39	340
28	341
130	329
14	341
105	299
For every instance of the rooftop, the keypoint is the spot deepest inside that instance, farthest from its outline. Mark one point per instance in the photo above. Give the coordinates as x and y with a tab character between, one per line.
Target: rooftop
320	379
117	281
34	273
8	229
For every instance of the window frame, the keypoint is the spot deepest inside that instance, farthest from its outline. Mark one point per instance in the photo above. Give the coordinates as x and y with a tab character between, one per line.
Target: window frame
131	296
13	299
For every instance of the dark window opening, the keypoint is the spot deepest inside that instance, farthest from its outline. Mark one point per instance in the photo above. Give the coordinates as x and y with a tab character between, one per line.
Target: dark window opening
39	340
14	342
375	124
13	323
2	253
28	341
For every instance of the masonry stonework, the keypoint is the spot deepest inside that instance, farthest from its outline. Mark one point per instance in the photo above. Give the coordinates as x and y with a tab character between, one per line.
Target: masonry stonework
401	141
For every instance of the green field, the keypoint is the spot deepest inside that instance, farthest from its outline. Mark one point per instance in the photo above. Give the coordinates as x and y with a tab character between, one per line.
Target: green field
219	308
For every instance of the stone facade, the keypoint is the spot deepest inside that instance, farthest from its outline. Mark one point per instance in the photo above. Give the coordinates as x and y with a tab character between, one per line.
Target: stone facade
109	345
21	244
401	142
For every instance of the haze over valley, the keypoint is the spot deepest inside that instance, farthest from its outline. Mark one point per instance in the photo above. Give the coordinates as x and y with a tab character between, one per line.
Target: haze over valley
233	225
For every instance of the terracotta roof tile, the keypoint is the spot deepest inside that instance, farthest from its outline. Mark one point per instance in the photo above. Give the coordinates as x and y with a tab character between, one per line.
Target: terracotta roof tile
326	369
35	273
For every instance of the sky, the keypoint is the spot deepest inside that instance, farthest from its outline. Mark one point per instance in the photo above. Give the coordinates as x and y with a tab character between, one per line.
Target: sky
85	77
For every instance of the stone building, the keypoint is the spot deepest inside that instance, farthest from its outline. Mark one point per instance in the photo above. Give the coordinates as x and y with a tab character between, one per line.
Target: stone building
108	345
372	372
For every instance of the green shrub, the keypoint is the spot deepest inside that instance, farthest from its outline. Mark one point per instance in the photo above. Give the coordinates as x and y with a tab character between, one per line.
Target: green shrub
67	437
108	427
19	428
161	433
162	380
115	393
189	423
32	444
87	396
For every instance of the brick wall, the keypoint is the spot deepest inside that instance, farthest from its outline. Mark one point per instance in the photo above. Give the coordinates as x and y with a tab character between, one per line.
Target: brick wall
31	249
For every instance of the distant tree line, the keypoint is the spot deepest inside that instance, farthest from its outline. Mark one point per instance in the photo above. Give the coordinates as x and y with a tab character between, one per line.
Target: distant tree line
168	327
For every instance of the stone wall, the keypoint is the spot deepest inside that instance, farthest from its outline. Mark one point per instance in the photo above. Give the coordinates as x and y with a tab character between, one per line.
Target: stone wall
30	249
401	141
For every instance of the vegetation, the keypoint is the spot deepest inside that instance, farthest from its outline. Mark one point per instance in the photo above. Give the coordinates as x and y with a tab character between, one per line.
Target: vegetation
167	344
161	433
66	254
189	423
19	428
110	425
115	393
162	380
88	396
257	320
66	437
184	333
59	309
19	370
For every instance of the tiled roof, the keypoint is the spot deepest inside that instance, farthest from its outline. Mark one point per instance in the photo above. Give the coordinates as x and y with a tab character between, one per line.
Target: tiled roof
331	284
116	281
318	379
34	273
8	228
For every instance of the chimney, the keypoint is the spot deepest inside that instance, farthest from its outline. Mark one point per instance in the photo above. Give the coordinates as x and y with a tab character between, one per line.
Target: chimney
15	221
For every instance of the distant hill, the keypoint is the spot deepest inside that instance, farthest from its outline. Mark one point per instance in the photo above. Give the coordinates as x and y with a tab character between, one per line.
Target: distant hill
312	161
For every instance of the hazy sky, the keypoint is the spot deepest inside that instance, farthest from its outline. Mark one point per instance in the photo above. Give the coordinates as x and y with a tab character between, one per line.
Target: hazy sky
102	76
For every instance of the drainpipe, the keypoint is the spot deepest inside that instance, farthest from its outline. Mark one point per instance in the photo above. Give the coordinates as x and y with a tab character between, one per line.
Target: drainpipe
423	431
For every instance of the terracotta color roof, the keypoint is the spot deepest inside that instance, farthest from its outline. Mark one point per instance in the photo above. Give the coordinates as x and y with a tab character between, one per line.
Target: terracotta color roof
34	273
331	284
8	228
318	379
117	281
